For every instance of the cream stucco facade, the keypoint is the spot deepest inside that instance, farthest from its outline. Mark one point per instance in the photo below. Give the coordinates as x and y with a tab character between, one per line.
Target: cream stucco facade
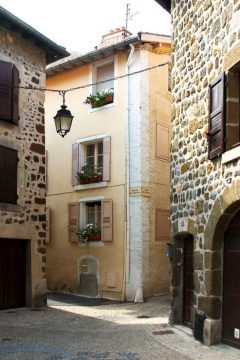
133	261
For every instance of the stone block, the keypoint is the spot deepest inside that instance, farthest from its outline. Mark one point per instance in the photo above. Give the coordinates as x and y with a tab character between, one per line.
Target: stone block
197	260
212	332
211	306
213	282
212	260
227	198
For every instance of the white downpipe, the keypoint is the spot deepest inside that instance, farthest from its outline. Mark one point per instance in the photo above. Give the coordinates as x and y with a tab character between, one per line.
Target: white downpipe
127	199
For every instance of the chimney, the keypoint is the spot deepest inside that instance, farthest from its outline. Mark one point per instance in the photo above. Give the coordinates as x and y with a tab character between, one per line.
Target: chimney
114	36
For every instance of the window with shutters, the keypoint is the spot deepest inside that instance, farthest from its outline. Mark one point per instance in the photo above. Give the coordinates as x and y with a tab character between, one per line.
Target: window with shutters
224	113
91	161
92	210
8	175
162	225
9	92
103	93
162	142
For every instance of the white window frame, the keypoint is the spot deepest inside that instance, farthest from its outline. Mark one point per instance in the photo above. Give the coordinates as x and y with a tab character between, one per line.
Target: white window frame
82	142
83	214
93	76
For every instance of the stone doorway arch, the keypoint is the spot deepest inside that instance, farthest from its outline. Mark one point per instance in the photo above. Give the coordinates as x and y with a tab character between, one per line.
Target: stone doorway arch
209	300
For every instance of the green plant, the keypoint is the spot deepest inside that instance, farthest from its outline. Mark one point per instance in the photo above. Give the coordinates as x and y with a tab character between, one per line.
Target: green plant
100	98
84	233
90	173
85	172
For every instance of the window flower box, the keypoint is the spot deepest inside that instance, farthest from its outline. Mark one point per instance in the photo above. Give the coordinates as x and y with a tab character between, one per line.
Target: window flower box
100	99
87	233
89	174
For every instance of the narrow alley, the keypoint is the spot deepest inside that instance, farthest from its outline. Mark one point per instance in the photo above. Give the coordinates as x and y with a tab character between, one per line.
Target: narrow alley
76	328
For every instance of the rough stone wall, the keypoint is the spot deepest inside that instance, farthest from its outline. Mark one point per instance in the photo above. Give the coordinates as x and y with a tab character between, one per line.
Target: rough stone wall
206	41
27	221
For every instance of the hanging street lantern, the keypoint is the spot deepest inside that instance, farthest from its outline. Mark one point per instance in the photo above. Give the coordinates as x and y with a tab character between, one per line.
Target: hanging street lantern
63	118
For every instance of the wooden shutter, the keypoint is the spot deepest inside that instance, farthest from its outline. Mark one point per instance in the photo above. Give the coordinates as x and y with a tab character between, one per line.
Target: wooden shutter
216	125
106	158
162	225
162	142
75	163
5	90
73	221
15	95
8	175
107	226
48	225
9	92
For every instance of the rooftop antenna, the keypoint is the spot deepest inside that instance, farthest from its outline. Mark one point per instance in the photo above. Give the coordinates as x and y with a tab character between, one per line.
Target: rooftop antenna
127	15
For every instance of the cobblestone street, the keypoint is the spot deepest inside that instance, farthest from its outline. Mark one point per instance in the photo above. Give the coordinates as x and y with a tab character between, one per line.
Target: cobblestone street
72	328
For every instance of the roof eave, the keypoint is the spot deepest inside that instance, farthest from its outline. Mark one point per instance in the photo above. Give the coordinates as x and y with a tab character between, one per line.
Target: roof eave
166	4
53	51
91	56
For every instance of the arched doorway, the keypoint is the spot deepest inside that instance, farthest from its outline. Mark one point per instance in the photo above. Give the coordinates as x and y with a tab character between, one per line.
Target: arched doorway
231	284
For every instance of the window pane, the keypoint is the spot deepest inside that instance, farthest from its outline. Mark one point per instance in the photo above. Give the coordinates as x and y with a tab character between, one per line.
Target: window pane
100	148
99	211
90	161
90	150
90	213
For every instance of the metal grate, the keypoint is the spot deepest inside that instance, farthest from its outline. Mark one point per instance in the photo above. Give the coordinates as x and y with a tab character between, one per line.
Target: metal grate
163	332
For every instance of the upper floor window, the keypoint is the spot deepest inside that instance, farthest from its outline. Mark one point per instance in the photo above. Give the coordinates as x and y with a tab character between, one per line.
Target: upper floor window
91	161
8	175
9	92
103	73
224	113
103	91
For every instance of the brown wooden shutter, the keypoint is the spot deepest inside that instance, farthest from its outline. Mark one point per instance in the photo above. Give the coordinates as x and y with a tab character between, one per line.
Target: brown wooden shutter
162	142
106	158
75	163
216	125
8	175
9	92
15	95
107	226
5	90
48	225
73	221
162	225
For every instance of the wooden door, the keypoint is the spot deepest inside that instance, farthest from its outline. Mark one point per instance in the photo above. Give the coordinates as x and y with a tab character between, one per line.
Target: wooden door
231	284
12	273
187	280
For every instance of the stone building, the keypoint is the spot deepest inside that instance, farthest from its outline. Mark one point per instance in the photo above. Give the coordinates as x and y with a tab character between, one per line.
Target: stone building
205	162
125	140
24	53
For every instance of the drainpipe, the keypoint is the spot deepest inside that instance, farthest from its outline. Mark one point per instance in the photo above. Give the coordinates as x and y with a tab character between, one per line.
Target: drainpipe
127	190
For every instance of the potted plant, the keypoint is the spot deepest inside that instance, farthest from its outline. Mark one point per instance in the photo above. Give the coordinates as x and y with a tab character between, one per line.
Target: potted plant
88	175
100	98
88	233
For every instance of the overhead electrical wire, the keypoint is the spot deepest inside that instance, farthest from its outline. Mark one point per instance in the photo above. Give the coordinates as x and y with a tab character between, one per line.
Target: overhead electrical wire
64	91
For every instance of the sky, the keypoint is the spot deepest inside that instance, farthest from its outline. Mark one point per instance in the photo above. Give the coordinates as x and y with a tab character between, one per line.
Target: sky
78	25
